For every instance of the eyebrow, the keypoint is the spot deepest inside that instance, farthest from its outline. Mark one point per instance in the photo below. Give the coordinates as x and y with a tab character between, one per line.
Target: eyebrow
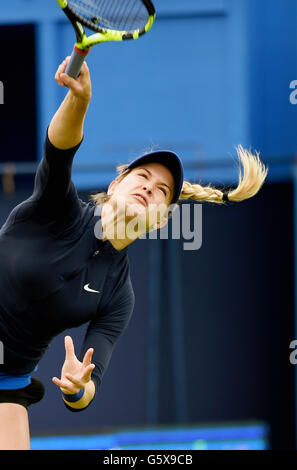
151	175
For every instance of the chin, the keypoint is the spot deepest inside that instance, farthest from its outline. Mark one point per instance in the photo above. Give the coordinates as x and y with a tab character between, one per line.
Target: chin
135	209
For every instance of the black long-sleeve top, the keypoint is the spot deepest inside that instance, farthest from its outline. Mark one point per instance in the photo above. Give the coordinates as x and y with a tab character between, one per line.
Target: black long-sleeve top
51	262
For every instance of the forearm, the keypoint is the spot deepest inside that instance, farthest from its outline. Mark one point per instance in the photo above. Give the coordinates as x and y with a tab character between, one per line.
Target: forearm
66	127
85	399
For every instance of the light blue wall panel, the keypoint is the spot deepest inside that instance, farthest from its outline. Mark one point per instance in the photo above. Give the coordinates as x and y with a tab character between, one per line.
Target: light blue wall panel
166	91
210	75
148	95
16	11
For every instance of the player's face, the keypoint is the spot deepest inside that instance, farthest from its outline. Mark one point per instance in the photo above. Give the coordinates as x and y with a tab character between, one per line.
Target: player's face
150	184
147	189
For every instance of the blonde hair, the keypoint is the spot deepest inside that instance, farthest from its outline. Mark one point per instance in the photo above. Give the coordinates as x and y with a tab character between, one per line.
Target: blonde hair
249	183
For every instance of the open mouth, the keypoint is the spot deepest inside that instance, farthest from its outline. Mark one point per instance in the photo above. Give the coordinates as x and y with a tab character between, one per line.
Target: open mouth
141	199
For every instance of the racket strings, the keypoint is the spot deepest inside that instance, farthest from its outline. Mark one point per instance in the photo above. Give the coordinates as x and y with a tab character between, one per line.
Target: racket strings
132	13
120	15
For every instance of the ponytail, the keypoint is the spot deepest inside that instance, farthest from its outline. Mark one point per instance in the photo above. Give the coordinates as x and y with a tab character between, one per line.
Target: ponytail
250	182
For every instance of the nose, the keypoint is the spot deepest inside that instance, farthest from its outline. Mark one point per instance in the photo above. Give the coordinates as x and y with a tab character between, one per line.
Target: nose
147	188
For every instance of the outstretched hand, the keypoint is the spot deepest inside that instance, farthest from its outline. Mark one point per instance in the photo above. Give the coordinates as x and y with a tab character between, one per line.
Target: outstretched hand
75	374
80	87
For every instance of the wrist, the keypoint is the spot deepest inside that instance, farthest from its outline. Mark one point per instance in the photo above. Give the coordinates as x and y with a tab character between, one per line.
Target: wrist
84	401
74	397
79	101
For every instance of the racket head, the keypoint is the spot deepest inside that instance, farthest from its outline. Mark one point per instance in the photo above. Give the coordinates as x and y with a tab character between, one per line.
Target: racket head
130	18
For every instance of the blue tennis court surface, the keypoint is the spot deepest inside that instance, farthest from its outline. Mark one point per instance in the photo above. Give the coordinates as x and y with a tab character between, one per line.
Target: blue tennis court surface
242	436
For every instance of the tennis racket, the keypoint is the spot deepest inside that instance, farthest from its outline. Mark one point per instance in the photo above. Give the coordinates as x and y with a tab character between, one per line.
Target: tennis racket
111	20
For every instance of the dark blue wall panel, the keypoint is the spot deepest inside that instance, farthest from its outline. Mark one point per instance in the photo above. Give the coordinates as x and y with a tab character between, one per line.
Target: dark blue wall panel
272	66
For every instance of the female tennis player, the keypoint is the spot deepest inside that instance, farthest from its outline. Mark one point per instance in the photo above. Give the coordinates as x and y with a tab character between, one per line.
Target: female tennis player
57	273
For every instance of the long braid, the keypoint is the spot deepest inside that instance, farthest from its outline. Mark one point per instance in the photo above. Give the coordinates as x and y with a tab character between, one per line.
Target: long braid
250	181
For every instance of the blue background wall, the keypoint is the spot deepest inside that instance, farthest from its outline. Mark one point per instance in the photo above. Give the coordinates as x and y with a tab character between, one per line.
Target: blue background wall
211	74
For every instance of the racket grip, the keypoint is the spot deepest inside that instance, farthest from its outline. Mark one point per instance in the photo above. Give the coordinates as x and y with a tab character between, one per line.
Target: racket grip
76	61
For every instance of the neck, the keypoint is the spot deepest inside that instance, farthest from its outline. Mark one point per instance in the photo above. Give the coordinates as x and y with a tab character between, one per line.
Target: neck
114	232
118	244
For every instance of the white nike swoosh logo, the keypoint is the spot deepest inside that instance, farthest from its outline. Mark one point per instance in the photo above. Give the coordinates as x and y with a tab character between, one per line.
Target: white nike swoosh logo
86	287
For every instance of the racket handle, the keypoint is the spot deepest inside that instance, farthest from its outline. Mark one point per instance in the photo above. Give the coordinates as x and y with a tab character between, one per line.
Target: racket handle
76	61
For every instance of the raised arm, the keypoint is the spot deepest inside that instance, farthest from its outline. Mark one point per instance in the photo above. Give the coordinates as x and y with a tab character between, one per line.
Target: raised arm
66	127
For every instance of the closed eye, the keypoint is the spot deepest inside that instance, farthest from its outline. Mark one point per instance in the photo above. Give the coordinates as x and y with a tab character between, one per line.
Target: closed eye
161	188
